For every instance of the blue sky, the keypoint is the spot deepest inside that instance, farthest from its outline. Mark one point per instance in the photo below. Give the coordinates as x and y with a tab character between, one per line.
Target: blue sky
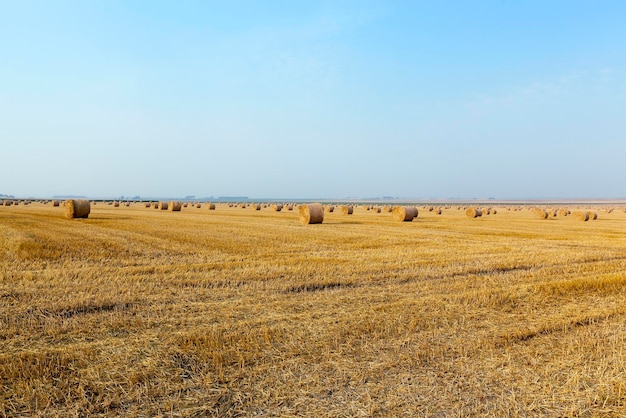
504	99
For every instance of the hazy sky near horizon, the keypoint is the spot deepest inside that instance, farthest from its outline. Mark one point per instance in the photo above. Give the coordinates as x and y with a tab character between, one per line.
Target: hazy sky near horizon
324	99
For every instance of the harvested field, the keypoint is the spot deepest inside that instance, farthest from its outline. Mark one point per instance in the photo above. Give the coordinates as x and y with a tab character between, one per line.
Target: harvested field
135	312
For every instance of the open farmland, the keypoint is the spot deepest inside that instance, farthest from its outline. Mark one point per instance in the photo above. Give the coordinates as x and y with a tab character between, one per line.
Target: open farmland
239	312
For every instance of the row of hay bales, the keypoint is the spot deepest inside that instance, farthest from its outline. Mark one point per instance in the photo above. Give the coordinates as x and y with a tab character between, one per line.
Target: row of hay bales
580	215
478	212
310	213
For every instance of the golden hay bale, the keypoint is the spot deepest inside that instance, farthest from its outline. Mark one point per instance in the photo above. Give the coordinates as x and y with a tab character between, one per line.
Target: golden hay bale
55	203
330	208
404	213
592	215
387	209
256	206
311	213
431	208
77	208
376	209
541	213
347	210
147	204
211	206
155	205
289	207
173	206
437	211
198	205
162	205
116	204
581	216
562	212
474	212
277	207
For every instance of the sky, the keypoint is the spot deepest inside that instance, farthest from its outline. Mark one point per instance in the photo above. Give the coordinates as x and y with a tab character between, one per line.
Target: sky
313	99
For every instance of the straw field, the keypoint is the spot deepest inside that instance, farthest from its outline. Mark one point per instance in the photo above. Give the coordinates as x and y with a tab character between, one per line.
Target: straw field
229	312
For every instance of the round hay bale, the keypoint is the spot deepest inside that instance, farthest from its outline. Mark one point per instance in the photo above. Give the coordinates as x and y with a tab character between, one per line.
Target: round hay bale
404	213
289	207
347	210
277	207
116	204
376	209
162	205
581	216
541	213
330	208
79	208
147	204
256	206
562	212
55	203
211	206
311	213
387	209
592	215
198	205
155	205
474	212
173	206
437	211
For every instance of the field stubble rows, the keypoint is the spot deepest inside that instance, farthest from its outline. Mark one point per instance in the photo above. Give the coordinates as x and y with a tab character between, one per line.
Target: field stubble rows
243	313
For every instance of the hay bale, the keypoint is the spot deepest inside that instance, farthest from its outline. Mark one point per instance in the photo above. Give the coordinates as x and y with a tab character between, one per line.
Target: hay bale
277	207
256	206
474	212
347	210
55	203
562	212
116	204
155	205
581	216
541	213
404	213
311	213
173	206
79	208
211	206
162	205
289	207
198	205
437	211
330	208
147	204
376	209
592	215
